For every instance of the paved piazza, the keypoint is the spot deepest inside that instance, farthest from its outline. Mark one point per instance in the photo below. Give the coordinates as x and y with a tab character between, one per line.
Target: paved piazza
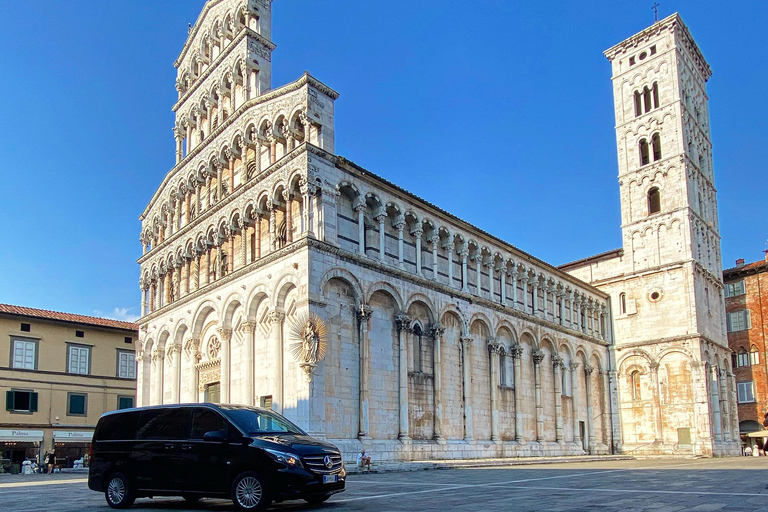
733	484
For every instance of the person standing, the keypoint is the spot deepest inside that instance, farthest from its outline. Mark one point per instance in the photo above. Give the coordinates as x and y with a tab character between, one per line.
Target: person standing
50	461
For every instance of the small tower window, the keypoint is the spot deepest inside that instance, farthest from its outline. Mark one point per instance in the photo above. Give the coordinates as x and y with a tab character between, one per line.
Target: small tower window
622	303
655	91
634	384
647	98
656	143
654	201
638	104
644	157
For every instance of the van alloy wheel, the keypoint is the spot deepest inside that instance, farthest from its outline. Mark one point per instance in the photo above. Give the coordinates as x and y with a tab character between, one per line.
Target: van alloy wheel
116	490
249	492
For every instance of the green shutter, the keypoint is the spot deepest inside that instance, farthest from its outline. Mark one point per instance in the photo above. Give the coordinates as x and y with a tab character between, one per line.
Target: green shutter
9	396
33	402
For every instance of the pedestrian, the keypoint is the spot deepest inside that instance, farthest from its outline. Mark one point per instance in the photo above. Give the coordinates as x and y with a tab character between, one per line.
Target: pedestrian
50	461
363	460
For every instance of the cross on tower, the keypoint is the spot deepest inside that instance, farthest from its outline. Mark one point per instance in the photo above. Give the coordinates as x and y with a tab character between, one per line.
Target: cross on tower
655	8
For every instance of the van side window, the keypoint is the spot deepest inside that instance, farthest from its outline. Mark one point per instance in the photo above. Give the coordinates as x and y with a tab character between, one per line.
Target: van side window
164	424
117	427
206	420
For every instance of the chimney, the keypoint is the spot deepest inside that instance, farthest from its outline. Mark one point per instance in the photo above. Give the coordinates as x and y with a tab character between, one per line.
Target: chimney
766	254
740	262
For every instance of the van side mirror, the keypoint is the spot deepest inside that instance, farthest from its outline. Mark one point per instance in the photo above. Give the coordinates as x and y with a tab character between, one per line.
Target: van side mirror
216	436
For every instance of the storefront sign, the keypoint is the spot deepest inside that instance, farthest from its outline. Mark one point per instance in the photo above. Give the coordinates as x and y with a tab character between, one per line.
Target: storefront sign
22	436
75	436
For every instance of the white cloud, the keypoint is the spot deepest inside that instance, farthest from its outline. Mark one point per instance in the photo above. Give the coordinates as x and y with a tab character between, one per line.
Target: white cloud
122	314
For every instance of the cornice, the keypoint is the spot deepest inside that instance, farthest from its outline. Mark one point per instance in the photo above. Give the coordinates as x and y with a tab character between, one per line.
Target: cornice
520	255
219	283
306	79
372	264
206	215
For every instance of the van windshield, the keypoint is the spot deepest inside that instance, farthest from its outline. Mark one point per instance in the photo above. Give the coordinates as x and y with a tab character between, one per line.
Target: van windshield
255	422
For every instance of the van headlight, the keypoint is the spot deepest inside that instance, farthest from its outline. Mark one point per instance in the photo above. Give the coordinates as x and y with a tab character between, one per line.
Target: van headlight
286	458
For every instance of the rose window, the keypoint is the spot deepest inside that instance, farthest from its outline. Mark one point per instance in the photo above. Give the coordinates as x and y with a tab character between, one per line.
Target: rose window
214	347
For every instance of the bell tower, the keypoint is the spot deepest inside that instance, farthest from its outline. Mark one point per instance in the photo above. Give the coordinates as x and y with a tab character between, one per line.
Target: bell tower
668	205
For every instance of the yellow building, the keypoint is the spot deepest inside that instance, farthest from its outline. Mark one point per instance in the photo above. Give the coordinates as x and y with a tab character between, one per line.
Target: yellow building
59	372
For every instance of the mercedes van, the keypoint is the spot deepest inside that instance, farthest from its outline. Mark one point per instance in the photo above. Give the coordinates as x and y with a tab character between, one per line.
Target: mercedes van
250	455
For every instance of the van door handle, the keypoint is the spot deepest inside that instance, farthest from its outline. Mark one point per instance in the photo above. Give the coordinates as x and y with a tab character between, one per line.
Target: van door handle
186	447
169	447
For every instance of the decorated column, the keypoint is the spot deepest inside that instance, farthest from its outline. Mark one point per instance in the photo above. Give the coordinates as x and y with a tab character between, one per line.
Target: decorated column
557	367
437	335
517	353
538	357
403	327
494	349
466	367
363	323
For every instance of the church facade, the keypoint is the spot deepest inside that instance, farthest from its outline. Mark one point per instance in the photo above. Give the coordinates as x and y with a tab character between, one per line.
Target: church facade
278	274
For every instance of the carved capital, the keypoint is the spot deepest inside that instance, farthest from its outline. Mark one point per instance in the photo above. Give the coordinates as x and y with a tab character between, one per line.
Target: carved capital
364	313
557	362
248	327
466	340
654	366
436	331
275	317
538	357
403	322
226	334
575	365
588	369
516	351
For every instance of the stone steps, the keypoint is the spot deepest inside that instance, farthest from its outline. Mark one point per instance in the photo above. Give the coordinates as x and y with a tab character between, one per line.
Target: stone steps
387	467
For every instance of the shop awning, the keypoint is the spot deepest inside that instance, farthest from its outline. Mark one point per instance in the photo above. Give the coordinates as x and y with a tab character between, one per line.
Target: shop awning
21	436
72	436
759	433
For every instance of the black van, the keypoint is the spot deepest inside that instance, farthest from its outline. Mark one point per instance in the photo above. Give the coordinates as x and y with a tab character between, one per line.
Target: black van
249	455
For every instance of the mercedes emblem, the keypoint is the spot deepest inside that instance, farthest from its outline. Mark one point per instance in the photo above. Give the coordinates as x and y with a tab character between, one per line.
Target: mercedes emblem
328	461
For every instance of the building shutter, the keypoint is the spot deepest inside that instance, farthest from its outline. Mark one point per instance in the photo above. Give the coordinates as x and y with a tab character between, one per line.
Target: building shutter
33	402
9	402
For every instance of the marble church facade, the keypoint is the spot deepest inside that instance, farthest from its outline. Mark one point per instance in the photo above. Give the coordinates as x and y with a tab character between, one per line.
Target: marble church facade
442	340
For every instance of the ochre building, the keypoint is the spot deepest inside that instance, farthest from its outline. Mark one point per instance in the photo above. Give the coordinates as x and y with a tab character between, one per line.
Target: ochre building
746	306
58	373
277	273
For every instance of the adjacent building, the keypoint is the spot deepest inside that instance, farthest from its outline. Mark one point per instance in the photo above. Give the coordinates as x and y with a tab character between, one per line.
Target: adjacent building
277	273
58	373
746	306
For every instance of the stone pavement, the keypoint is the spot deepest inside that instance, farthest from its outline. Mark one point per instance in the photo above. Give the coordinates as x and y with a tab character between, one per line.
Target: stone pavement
664	485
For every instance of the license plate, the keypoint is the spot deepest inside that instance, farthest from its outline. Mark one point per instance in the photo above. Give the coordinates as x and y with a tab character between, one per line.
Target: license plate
330	479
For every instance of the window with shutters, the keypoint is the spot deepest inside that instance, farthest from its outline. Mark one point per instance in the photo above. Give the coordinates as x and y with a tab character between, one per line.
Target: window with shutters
126	364
735	289
20	401
746	391
739	320
24	354
754	356
77	404
124	402
742	359
78	359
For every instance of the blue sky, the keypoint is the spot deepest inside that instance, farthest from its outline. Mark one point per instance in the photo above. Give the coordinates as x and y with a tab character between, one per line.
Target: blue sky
499	111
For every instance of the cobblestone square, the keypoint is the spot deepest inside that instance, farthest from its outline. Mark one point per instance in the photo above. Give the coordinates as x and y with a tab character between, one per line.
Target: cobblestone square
733	484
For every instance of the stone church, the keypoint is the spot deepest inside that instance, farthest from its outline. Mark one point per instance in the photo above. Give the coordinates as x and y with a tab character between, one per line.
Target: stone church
278	274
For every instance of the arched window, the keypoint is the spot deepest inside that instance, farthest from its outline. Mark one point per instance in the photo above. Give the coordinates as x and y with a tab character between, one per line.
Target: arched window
644	157
655	91
656	143
634	384
743	358
654	201
647	98
503	369
754	356
638	104
565	374
622	303
416	349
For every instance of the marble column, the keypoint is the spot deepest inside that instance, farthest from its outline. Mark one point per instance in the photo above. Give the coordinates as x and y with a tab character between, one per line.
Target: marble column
226	337
570	302
538	357
561	296
400	225
514	286
288	198
715	404
360	209
502	269
654	366
491	291
276	340
272	207
535	304
517	353
590	411
417	234
464	253
403	327
449	248
437	335
724	405
250	368
575	401
380	217
494	351
524	280
557	366
466	367
435	240
363	324
174	353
